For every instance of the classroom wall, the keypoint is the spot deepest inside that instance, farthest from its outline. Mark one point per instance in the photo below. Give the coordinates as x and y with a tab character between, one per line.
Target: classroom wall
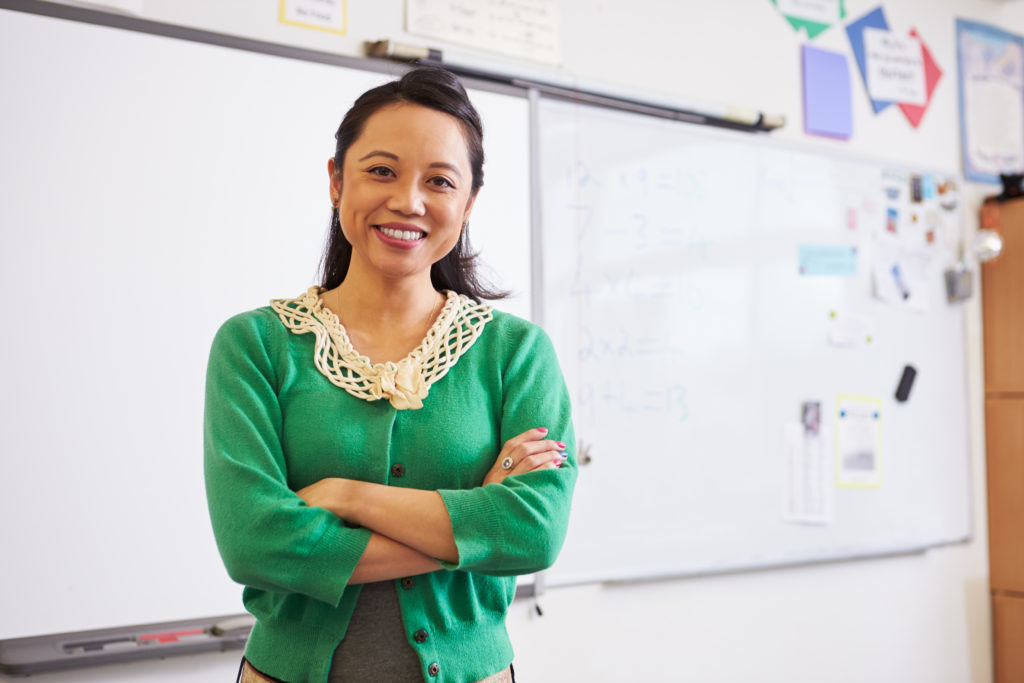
911	618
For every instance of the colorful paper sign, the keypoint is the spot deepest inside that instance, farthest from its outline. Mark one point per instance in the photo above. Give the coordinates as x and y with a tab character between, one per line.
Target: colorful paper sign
895	67
814	16
828	106
932	74
855	31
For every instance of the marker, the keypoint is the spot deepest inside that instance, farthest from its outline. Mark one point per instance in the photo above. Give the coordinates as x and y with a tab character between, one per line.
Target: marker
391	50
106	645
233	624
170	636
899	281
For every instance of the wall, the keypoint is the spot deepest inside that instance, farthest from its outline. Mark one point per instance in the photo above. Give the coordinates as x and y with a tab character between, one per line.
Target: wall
914	618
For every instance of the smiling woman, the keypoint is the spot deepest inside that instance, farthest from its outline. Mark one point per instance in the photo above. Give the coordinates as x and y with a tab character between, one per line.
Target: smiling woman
385	453
404	194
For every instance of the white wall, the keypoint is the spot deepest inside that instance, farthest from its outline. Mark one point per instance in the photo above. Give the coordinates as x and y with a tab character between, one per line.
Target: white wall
922	618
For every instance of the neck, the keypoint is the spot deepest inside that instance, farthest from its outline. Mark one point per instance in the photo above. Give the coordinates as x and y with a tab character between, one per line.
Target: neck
371	302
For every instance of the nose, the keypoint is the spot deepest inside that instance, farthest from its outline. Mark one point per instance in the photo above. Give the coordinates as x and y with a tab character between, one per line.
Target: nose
406	198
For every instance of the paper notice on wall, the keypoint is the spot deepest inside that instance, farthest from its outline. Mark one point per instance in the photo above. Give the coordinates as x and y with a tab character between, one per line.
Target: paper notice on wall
847	330
900	275
323	15
526	29
858	441
895	67
818	11
991	100
808	475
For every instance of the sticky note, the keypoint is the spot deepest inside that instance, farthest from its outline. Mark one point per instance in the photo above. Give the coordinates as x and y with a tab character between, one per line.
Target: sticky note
827	259
828	107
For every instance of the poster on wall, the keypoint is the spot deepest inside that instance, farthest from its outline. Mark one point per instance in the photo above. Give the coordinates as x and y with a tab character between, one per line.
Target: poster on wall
991	100
525	29
897	69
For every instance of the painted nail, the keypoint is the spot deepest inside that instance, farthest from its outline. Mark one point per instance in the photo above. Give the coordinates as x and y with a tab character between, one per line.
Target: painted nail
542	430
563	455
561	446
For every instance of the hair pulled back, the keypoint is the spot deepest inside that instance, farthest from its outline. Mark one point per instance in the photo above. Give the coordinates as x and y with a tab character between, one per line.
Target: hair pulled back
436	89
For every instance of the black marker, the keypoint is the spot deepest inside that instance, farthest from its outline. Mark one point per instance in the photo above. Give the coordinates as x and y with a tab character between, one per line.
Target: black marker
906	381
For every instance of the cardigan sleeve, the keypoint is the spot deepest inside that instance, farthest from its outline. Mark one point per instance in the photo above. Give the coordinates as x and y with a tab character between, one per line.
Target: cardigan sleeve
268	537
518	526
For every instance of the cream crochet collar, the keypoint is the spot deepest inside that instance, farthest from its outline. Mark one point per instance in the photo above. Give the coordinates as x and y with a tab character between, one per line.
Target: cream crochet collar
405	383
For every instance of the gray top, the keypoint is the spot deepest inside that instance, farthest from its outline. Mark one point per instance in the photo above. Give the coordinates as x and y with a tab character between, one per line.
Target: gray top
375	646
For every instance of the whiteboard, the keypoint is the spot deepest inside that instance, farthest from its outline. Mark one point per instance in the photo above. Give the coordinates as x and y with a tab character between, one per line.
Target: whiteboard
690	340
153	187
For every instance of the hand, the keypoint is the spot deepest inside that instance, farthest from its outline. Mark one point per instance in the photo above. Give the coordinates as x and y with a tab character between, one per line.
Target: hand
327	493
529	451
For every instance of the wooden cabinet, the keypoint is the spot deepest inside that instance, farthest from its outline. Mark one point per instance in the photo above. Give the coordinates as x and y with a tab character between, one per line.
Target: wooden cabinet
1004	452
1003	302
1003	329
1008	627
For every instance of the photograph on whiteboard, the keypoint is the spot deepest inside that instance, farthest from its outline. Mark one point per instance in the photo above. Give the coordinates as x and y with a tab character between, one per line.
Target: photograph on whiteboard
858	441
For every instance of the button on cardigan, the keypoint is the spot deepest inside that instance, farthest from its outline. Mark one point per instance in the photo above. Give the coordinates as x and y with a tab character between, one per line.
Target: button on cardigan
274	424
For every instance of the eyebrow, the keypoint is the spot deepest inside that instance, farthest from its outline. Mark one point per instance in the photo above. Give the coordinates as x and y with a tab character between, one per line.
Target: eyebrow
437	164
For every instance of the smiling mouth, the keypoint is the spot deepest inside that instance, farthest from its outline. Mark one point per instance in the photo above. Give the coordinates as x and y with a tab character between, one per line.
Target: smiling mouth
404	235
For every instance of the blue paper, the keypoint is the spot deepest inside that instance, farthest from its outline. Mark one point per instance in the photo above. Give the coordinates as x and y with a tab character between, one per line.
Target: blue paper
828	109
827	259
855	31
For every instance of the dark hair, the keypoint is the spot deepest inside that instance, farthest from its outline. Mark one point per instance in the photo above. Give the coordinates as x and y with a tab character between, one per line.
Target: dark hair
437	89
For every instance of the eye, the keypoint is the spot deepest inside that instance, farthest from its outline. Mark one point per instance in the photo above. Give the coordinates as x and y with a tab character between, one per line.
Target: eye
381	171
442	182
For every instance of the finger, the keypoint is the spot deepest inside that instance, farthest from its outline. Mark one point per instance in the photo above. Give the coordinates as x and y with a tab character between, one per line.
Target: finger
529	435
525	450
510	457
546	459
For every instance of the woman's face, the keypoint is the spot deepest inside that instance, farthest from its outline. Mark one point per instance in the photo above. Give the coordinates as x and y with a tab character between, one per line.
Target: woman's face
404	190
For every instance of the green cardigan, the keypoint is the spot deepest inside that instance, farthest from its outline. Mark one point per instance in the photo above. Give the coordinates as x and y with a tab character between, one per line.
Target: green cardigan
274	424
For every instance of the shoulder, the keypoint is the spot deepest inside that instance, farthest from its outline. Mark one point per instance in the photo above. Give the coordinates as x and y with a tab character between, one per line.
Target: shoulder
258	323
511	329
269	321
512	325
513	340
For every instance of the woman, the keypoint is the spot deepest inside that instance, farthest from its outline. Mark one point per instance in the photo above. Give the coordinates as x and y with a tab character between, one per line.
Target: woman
384	454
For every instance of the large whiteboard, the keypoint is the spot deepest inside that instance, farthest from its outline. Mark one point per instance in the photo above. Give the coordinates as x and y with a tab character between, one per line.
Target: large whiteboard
690	339
153	187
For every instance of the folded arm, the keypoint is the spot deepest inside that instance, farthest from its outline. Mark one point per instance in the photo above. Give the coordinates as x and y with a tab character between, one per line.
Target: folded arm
419	519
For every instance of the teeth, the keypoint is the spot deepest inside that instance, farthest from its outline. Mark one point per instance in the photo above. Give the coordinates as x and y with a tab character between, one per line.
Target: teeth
407	235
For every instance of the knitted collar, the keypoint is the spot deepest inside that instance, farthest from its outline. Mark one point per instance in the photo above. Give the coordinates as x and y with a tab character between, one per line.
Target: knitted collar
405	383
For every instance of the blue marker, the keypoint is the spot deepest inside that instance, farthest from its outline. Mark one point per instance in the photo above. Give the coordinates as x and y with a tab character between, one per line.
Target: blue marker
899	281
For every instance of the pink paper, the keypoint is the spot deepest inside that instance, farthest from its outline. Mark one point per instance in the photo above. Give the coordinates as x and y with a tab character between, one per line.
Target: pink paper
932	73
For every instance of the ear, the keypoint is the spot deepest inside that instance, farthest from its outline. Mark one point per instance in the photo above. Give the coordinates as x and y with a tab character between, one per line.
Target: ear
469	207
335	175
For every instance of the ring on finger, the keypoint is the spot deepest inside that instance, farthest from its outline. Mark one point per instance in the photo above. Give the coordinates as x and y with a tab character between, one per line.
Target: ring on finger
507	463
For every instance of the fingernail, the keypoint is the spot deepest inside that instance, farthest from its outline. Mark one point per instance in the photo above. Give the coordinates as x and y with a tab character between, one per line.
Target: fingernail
563	455
542	430
561	446
558	463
